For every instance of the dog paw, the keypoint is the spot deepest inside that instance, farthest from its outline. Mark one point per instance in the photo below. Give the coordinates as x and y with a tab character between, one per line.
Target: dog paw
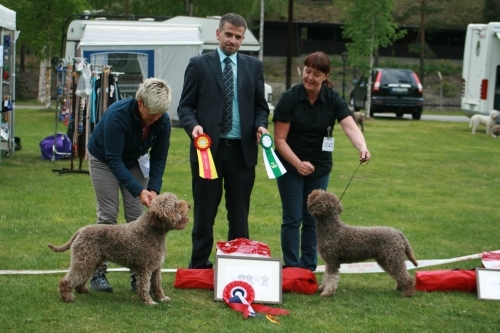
408	293
83	289
164	299
68	298
326	294
150	302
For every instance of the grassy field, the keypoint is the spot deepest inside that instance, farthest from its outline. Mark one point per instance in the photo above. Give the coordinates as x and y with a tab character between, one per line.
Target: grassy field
432	180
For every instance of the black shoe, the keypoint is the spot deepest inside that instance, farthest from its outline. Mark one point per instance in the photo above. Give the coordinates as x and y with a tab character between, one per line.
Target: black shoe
99	282
133	282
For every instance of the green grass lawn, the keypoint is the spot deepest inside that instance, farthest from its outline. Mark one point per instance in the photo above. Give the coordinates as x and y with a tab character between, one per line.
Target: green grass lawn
435	181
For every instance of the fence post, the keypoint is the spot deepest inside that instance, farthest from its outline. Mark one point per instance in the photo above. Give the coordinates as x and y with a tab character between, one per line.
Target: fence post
440	91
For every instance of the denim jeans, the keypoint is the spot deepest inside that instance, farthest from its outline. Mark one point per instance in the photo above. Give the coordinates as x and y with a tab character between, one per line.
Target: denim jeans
294	190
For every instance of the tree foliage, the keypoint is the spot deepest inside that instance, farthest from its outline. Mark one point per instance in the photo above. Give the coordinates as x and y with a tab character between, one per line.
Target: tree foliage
369	25
41	22
249	9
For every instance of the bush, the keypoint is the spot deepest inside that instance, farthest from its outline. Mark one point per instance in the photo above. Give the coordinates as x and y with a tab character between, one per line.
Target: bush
450	89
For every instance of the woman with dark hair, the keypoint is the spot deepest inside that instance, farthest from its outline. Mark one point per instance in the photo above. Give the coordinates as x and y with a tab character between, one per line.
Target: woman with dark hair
304	119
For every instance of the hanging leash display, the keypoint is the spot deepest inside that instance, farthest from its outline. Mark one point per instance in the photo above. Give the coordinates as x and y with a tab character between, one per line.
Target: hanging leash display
360	164
73	109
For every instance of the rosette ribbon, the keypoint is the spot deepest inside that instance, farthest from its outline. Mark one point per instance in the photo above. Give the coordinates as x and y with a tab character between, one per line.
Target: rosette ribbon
206	164
239	296
273	164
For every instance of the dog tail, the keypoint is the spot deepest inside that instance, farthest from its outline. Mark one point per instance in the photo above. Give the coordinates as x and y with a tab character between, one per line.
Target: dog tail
64	247
409	250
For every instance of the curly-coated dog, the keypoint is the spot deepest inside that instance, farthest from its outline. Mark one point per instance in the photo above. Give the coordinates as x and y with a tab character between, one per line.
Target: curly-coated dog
495	131
341	243
488	121
138	245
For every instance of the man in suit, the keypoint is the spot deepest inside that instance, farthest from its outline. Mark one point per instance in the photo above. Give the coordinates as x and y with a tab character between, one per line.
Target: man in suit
234	147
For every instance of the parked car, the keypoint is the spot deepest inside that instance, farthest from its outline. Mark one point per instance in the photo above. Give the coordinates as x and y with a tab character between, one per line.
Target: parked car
393	90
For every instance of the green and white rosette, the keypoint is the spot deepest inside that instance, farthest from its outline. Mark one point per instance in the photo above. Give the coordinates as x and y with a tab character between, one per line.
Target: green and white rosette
273	165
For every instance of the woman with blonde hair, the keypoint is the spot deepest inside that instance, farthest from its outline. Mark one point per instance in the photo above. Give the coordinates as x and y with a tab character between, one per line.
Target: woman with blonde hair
128	151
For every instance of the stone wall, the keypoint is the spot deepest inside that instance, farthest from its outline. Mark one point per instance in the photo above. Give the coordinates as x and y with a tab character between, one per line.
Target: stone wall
27	85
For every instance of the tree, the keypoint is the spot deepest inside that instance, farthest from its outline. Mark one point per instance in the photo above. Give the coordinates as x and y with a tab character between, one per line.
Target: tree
40	23
261	31
368	24
427	12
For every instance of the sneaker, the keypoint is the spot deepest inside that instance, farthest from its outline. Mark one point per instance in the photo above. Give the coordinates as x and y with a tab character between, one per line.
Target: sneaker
99	282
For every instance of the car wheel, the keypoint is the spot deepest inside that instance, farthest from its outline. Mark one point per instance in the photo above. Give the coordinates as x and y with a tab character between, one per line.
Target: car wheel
371	113
416	115
399	114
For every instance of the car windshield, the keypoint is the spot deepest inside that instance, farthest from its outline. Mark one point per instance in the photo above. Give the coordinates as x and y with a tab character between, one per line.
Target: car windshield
390	76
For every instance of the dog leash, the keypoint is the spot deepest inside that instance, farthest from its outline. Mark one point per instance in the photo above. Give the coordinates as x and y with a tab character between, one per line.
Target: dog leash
360	163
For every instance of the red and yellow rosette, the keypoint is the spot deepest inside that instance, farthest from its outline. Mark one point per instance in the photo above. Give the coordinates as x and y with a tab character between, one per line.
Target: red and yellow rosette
206	164
239	296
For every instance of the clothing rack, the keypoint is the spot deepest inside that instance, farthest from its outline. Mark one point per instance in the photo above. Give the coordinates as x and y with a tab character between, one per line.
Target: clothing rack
62	104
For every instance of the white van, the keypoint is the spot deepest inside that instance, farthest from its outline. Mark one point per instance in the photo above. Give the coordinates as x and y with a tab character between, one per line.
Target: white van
481	69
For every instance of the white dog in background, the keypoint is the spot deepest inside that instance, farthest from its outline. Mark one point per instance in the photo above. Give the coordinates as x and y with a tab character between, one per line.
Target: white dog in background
488	121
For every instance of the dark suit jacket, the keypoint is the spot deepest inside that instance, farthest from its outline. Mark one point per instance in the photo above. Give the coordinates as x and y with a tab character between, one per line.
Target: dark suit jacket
202	101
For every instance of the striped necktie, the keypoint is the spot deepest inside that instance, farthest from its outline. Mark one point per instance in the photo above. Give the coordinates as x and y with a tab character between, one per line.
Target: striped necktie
227	114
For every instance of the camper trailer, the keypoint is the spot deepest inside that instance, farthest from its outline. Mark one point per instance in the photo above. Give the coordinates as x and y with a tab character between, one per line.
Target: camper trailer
146	48
481	69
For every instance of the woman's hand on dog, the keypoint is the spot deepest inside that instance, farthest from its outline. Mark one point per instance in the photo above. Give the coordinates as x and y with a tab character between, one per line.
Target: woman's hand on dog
147	197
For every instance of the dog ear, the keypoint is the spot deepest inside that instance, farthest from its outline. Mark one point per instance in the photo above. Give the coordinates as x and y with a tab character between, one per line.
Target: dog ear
155	213
334	204
323	204
338	208
161	210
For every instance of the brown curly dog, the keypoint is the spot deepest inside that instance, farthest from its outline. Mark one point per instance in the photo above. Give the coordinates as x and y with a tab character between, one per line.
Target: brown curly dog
340	243
138	245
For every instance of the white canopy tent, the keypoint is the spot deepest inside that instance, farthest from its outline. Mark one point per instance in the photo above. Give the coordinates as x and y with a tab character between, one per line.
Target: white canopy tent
160	50
8	37
7	18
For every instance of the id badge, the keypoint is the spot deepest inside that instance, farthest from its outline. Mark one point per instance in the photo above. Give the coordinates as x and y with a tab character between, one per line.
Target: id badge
144	165
328	144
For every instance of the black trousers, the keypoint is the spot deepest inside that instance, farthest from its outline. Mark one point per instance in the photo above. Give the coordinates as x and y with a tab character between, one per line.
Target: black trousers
236	180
